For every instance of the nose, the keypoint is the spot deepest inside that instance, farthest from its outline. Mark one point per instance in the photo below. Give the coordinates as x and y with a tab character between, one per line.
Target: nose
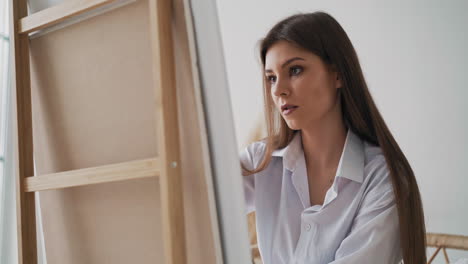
281	89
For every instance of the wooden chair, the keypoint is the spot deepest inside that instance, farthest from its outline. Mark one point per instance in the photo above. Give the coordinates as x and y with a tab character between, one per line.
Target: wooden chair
443	241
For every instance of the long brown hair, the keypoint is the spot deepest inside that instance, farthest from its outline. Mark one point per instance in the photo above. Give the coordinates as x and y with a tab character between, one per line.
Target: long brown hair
322	35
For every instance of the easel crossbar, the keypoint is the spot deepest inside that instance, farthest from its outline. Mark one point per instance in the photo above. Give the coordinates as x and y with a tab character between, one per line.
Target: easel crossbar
109	173
58	13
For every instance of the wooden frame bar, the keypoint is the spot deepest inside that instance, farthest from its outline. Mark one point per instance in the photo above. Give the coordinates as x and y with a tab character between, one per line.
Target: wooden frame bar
56	14
108	173
433	255
168	128
25	202
446	240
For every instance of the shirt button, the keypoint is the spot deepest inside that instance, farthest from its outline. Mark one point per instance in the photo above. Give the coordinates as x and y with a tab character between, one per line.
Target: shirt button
308	227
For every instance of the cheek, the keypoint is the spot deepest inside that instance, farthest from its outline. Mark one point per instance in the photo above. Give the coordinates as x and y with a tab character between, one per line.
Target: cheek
316	93
310	89
272	97
315	89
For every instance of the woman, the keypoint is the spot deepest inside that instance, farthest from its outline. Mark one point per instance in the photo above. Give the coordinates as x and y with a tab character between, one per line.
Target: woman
329	183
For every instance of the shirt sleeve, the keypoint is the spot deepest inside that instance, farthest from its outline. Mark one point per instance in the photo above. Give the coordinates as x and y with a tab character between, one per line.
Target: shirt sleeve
247	158
374	236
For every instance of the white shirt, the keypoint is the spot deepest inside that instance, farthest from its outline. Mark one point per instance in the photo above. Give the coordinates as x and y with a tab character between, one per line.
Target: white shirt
357	223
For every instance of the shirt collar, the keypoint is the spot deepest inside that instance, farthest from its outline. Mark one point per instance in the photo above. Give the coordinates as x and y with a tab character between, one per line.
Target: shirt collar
350	166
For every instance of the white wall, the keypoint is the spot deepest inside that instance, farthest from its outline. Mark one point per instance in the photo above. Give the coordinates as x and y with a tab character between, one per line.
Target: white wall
414	59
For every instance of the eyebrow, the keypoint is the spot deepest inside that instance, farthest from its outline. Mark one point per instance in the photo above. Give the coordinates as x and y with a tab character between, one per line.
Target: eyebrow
286	63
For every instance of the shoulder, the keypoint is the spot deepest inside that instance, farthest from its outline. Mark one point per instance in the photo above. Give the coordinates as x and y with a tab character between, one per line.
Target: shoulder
377	189
252	154
377	176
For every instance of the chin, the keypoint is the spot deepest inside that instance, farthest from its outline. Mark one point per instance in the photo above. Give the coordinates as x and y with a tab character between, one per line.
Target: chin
293	125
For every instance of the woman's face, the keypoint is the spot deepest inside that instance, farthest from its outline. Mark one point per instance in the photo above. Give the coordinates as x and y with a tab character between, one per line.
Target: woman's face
301	79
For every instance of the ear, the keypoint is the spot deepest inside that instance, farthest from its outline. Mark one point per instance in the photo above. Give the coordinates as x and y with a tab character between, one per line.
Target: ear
336	76
338	82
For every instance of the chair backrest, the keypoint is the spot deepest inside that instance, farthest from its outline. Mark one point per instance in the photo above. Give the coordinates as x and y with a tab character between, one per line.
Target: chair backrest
443	241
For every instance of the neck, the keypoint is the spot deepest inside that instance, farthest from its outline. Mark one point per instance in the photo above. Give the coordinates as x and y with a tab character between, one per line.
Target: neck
323	141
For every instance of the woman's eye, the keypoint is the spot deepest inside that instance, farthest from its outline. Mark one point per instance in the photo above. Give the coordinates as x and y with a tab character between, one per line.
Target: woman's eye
295	70
271	78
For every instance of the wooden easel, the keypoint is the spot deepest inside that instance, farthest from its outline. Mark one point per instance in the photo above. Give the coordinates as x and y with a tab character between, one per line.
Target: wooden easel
166	166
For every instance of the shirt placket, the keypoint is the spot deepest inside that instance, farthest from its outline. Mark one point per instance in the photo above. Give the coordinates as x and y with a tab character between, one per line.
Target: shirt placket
306	251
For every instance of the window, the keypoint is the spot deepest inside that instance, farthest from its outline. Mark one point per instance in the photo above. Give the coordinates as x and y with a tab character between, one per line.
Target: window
7	205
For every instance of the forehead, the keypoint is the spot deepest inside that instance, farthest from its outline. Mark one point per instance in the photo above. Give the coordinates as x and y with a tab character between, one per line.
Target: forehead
282	50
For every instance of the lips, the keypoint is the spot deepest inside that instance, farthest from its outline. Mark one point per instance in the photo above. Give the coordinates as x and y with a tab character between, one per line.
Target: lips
288	108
